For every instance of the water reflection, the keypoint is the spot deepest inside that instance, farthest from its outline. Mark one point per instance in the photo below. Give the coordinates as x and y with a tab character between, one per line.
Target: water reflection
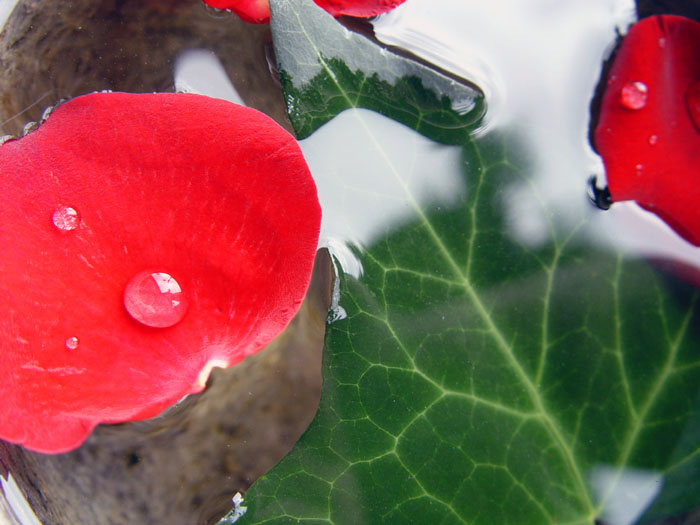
14	509
538	63
624	494
200	71
373	175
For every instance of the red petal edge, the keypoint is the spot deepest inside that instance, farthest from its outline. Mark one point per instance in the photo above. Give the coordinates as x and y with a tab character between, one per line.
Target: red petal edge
216	195
253	11
652	154
258	11
358	8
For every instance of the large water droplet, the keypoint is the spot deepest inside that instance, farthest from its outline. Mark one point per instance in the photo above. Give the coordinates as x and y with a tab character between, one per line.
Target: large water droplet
155	299
692	100
634	95
72	343
65	218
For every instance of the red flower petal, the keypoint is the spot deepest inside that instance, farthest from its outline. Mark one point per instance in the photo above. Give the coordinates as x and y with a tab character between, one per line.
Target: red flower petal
358	8
258	11
120	203
648	133
253	11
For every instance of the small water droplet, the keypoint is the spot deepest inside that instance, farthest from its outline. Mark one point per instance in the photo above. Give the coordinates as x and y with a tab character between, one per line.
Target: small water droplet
662	42
692	100
638	169
600	197
72	343
653	140
155	299
65	218
634	95
29	127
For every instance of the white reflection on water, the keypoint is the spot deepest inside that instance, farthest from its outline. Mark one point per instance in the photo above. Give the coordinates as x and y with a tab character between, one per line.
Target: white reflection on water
14	508
539	63
199	71
625	495
373	175
6	7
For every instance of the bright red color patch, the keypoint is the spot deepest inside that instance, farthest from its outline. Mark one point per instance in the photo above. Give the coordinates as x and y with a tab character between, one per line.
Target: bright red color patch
650	141
213	198
253	11
258	11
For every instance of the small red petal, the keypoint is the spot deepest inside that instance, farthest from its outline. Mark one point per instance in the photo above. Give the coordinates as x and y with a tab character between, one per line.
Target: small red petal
258	11
649	137
146	238
358	8
253	11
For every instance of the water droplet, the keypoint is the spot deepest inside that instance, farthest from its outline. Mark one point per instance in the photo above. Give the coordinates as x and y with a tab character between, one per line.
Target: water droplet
600	197
29	127
692	100
155	299
653	140
638	169
662	42
72	343
65	218
634	95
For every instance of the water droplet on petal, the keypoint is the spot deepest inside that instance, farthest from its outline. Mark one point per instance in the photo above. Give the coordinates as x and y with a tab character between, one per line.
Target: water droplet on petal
692	100
638	168
72	343
634	95
662	42
65	218
155	299
653	140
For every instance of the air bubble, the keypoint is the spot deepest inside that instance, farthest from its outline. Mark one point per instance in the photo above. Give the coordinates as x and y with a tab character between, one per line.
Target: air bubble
155	299
65	218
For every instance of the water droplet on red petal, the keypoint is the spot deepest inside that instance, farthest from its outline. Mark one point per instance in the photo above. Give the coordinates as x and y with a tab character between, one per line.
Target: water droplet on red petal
634	95
155	299
692	100
72	343
653	140
65	218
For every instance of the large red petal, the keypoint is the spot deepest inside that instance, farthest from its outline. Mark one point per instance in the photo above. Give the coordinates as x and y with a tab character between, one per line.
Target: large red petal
652	153
216	195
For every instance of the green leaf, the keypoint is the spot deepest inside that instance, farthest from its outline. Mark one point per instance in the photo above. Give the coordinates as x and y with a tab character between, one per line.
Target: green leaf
475	378
326	69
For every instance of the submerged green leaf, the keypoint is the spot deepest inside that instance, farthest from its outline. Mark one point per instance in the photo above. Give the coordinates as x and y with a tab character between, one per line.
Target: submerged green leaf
326	69
475	378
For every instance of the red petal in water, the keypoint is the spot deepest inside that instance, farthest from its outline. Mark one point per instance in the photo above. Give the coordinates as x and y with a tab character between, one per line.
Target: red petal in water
146	239
258	11
649	137
253	11
358	8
